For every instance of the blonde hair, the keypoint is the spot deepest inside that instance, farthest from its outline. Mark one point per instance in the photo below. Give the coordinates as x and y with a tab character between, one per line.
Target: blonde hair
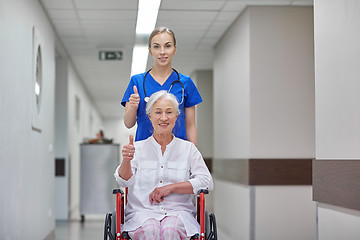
159	30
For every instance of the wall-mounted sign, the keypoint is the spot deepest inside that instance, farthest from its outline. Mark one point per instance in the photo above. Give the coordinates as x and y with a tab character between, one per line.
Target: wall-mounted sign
110	55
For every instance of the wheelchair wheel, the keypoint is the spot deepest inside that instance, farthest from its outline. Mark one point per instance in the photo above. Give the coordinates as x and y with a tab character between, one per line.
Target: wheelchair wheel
213	230
207	225
107	227
113	224
110	226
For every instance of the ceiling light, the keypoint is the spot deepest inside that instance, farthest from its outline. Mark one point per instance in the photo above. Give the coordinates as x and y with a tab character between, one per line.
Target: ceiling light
146	21
149	4
147	16
139	61
145	24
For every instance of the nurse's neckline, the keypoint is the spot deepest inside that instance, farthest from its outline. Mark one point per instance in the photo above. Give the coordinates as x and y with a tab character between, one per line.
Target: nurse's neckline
162	77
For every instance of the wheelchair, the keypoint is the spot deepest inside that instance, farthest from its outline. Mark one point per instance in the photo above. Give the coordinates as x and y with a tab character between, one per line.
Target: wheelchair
113	220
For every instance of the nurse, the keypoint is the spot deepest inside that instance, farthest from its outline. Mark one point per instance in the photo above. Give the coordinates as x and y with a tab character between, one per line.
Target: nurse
162	47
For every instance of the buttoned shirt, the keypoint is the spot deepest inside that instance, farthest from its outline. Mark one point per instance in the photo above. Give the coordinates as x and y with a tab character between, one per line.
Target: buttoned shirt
180	162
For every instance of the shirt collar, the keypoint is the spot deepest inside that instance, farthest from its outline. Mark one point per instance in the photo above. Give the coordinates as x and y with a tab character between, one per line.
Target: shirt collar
172	143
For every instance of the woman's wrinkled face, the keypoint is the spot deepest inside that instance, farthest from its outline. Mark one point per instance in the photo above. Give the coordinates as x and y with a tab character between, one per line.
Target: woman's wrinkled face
162	48
163	116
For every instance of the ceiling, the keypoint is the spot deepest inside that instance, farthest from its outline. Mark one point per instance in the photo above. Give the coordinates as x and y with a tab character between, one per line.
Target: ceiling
84	27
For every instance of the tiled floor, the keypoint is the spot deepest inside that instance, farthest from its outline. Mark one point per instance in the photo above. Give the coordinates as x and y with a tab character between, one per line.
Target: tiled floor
75	230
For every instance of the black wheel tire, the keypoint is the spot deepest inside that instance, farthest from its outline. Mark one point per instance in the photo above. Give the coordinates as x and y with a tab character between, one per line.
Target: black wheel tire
107	226
213	226
113	224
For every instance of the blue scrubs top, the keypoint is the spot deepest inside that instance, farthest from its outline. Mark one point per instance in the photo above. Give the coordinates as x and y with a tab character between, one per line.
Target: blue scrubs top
191	98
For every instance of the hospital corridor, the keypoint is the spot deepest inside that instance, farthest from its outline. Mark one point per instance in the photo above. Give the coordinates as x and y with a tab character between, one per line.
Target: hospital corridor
210	119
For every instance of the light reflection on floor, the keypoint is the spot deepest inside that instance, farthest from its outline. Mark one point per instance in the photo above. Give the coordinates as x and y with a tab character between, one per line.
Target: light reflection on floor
75	230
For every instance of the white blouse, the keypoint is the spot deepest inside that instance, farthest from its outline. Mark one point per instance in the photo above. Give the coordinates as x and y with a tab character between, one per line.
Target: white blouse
181	162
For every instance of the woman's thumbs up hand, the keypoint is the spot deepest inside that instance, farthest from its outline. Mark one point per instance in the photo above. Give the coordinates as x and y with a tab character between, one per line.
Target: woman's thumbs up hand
134	99
129	149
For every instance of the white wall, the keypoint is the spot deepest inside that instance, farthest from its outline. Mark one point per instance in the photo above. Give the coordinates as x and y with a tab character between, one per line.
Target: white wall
26	156
282	84
204	112
264	108
337	57
77	133
61	149
231	92
232	209
70	134
338	223
115	129
284	212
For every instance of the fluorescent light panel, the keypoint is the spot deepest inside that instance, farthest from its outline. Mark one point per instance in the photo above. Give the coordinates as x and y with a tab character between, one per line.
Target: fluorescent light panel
145	23
147	16
149	4
139	60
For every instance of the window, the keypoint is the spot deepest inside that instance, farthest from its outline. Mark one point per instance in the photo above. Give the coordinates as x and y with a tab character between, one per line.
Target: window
37	80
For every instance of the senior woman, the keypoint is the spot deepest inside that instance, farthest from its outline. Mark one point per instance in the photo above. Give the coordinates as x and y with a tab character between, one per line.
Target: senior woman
162	174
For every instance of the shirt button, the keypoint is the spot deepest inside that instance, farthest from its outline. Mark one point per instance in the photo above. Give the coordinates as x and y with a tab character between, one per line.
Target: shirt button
160	181
162	166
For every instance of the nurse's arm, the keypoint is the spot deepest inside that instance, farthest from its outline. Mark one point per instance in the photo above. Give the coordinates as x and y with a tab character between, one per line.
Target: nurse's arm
190	125
130	115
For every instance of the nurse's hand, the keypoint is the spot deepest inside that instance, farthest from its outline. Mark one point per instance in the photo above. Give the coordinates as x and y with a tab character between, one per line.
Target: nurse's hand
129	150
134	99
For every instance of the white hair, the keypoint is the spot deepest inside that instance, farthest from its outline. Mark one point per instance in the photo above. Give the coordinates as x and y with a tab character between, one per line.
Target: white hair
162	95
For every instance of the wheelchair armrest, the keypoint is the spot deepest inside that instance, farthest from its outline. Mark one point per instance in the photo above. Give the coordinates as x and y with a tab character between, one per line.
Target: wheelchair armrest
118	190
201	211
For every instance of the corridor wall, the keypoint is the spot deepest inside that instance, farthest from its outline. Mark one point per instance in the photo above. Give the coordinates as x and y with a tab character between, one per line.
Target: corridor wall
77	119
337	58
205	122
204	112
27	133
264	112
115	129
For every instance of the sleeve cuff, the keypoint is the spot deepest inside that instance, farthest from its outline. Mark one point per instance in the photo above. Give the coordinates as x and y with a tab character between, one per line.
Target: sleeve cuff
122	182
198	186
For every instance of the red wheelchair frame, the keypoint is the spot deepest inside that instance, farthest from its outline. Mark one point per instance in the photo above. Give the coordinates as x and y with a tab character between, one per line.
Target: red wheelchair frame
207	223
